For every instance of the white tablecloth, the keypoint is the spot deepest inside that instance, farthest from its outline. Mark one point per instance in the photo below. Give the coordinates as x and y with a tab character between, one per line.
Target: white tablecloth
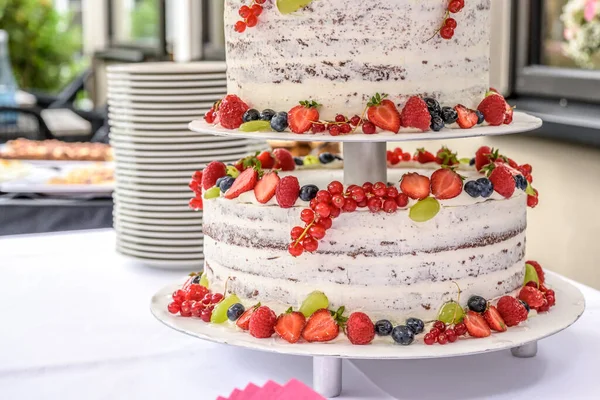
75	324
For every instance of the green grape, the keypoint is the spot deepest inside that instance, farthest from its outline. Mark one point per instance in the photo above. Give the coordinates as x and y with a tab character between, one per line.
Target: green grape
311	160
530	275
204	280
255	126
451	313
212	193
233	171
289	6
313	302
219	314
424	210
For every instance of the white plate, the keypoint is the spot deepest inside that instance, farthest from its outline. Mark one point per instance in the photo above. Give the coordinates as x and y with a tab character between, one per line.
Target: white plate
568	309
117	143
148	126
196	83
159	242
138	112
522	122
184	231
168	249
174	162
174	90
159	254
164	79
123	177
162	235
168	68
184	192
203	152
146	119
192	224
176	190
156	214
171	105
187	99
186	136
161	264
125	203
134	172
151	198
175	168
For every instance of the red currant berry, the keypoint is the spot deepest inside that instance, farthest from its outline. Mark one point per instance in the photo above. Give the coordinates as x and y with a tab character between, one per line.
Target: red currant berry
326	222
350	205
195	186
358	194
335	212
310	244
392	192
217	297
368	128
379	189
345	129
356	120
335	187
313	204
550	292
179	296
245	11
368	187
210	115
394	159
435	332
256	10
323	196
260	1
340	118
251	21
317	231
240	26
186	308
334	130
197	308
374	204
455	6
295	249
398	151
338	200
532	201
317	128
551	300
446	32
451	335
406	157
429	339
451	22
307	215
439	325
196	203
197	176
402	200
460	329
390	206
297	231
442	339
323	210
205	315
526	169
174	307
363	204
349	190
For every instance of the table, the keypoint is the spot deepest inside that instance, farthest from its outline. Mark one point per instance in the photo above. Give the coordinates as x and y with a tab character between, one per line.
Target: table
76	325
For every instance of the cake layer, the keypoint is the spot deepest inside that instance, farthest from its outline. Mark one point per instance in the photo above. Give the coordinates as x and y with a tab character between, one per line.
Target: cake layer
342	52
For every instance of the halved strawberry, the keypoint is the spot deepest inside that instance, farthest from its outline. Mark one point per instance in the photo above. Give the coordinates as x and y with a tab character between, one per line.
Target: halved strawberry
284	160
467	118
243	183
383	113
423	156
415	114
301	117
266	186
493	108
503	180
415	186
494	319
289	326
323	325
446	184
482	157
266	160
243	322
476	325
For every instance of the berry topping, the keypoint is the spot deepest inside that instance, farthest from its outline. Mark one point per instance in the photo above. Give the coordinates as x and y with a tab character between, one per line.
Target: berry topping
415	325
415	114
476	325
449	115
222	305
283	160
211	173
243	322
210	115
267	114
369	128
532	296
231	111
451	313
494	320
521	182
383	327
301	117
487	187
360	329
460	329
244	183
266	186
289	326
466	118
480	117
473	189
403	335
415	186
235	312
323	325
266	160
512	310
313	302
287	191
262	322
326	158
538	270
445	156
503	180
437	124
308	192
482	157
279	122
433	106
477	304
508	117
424	210
493	108
251	115
531	276
446	184
384	114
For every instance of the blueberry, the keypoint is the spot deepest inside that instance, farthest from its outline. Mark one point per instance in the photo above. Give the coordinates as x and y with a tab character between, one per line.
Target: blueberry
235	311
415	325
433	106
218	183
437	123
308	192
267	115
299	161
383	327
521	182
477	304
472	162
196	280
403	335
326	158
480	117
251	115
449	115
487	187
525	305
473	189
279	122
226	183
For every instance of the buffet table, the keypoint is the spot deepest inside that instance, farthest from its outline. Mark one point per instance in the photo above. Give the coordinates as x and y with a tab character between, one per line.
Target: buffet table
76	325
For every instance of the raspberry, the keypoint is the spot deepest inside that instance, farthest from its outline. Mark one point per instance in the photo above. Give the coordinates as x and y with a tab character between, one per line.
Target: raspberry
262	322
360	329
231	111
532	296
511	310
416	114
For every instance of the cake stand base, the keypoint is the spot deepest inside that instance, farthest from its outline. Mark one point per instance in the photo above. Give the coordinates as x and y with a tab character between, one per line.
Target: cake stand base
364	162
526	351
327	376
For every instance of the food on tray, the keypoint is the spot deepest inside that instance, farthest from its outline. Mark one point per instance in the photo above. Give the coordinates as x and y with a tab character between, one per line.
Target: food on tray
24	149
94	175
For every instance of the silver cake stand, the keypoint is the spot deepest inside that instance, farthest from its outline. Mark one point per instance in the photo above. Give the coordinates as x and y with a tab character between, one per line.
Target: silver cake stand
327	357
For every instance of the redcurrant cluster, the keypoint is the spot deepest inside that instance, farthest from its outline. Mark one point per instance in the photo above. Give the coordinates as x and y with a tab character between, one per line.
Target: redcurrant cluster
250	15
329	204
449	25
196	186
194	300
442	333
397	155
341	126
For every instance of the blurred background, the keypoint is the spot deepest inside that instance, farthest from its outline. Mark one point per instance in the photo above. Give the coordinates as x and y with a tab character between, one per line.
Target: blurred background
56	90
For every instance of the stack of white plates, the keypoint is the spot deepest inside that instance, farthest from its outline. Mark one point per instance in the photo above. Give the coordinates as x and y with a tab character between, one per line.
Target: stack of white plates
150	106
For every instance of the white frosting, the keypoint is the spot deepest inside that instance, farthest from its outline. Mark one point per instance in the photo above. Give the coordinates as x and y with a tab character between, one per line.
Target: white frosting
342	52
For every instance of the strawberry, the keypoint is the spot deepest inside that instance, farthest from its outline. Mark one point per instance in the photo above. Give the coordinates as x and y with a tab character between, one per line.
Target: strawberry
283	160
211	173
287	191
301	118
262	322
266	160
503	180
539	270
445	156
360	328
266	186
415	114
513	312
467	118
532	296
508	116
323	325
243	183
482	157
243	322
492	90
493	108
494	320
231	111
289	326
476	325
383	113
415	186
422	156
446	184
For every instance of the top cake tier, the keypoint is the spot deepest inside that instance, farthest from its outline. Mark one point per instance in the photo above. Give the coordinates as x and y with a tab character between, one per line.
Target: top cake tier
341	52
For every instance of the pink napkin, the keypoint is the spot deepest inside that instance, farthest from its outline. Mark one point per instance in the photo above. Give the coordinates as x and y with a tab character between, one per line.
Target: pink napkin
293	390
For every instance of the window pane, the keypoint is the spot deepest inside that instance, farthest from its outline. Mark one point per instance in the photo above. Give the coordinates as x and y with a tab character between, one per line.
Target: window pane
136	22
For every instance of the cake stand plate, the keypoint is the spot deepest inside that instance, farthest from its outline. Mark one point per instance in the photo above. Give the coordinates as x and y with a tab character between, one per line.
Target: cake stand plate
327	365
522	122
